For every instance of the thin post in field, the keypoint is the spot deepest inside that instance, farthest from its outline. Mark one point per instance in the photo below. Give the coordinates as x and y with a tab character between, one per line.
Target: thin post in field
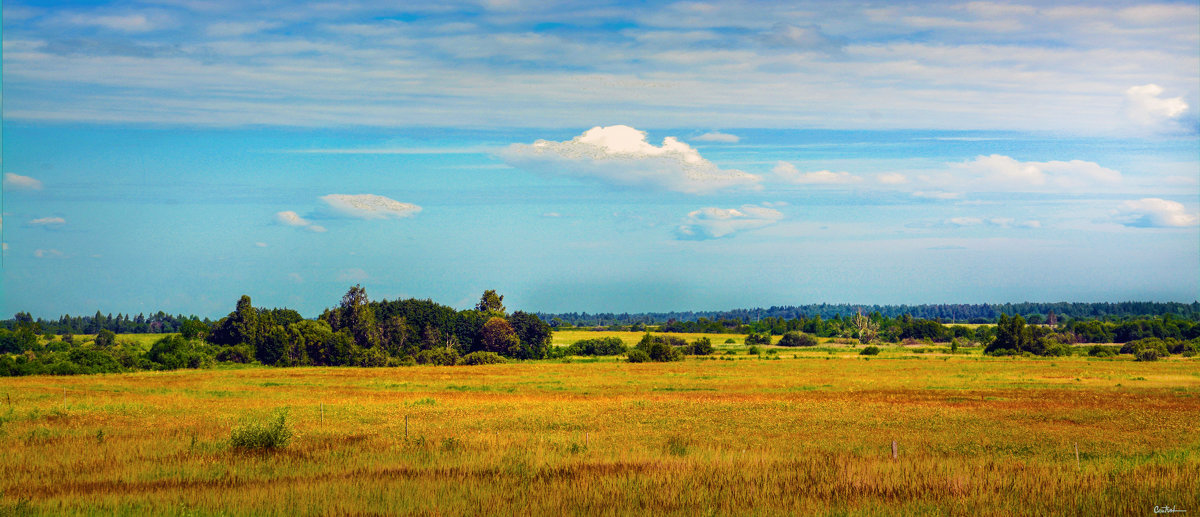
895	450
322	412
1076	455
405	427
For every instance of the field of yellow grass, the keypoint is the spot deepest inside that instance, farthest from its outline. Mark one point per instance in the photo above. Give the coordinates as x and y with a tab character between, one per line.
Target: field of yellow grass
810	435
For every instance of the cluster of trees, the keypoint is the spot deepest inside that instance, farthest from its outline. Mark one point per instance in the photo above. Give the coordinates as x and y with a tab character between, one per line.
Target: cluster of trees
1014	336
100	356
949	313
160	323
385	333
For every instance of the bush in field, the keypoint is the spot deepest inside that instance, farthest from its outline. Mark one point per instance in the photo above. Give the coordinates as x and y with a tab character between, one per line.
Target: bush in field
753	350
797	339
758	339
105	338
260	436
437	356
701	346
174	352
1102	351
871	350
1148	354
1135	347
597	346
662	348
730	341
638	356
478	358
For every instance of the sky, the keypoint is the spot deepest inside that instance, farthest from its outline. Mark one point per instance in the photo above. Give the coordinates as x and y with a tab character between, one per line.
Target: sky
597	156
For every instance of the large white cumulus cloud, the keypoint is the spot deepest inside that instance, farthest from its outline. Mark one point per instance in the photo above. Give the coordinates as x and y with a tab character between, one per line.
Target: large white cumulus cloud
714	223
621	155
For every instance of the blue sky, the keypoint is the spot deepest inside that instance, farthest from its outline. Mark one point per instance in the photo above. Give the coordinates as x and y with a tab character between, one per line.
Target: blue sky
176	154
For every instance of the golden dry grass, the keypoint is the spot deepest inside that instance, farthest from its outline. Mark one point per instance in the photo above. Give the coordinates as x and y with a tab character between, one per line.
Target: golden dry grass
804	436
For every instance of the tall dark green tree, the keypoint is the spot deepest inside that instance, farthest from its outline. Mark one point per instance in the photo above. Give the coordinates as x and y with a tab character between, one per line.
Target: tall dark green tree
491	303
533	333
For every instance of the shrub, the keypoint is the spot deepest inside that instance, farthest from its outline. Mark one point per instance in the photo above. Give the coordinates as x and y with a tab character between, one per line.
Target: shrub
1147	354
1102	351
241	354
262	436
871	350
638	356
754	350
1134	347
758	339
701	346
478	358
662	348
442	356
730	341
597	346
797	339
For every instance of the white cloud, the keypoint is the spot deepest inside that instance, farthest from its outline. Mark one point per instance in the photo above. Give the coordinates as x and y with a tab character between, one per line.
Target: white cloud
1001	222
1154	213
51	253
1003	173
717	136
936	194
19	182
788	173
48	221
369	206
1145	106
714	223
230	29
132	22
552	214
291	218
315	228
260	244
352	275
621	155
892	178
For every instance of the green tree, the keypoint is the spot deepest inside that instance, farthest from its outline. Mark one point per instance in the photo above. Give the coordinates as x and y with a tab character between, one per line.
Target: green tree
358	317
533	333
491	303
499	337
105	338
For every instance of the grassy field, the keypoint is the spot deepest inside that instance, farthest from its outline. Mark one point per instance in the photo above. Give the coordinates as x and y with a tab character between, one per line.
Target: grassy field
804	435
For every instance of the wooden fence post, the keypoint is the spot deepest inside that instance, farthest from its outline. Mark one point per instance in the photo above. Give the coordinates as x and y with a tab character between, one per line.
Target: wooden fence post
895	451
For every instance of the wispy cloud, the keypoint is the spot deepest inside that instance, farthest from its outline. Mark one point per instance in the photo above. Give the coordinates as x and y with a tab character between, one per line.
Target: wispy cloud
290	218
18	182
719	137
621	155
1147	107
48	254
369	206
715	223
788	173
49	222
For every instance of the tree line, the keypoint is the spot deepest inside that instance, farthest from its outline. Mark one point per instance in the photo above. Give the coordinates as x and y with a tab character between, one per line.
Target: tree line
946	313
358	332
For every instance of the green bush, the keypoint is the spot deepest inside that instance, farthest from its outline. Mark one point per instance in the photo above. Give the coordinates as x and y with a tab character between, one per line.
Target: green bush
730	341
597	346
262	436
758	339
638	356
871	350
1102	351
701	346
753	350
797	339
1148	354
438	356
479	358
1135	347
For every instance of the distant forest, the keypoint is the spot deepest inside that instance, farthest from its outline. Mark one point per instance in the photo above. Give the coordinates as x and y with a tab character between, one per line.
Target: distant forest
164	323
945	313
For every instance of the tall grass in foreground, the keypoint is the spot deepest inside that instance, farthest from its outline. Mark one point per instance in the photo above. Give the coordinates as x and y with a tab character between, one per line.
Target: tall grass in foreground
805	436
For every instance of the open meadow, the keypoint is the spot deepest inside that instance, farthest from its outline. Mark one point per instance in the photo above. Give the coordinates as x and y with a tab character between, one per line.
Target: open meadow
809	433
